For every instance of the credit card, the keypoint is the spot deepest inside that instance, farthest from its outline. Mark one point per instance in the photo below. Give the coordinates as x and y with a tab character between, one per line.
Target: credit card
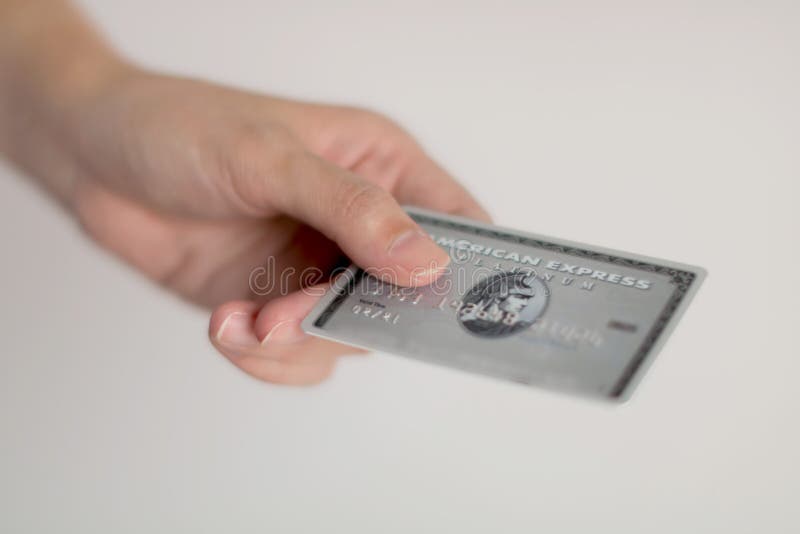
532	309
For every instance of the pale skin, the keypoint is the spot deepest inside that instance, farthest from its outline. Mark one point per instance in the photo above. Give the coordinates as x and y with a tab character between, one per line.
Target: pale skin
195	184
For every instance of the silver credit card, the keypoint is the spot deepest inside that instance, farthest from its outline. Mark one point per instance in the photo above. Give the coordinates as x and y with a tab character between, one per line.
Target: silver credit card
518	306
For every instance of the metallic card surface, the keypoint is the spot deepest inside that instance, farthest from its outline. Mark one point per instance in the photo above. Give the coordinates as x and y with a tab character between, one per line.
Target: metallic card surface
518	306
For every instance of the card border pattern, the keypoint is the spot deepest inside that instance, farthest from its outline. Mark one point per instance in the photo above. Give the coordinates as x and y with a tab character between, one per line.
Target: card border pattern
682	280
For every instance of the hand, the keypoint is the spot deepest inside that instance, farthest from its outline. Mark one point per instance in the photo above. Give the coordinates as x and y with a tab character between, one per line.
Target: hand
196	185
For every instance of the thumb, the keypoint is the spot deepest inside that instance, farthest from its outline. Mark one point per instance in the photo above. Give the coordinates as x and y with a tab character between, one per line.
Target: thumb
362	218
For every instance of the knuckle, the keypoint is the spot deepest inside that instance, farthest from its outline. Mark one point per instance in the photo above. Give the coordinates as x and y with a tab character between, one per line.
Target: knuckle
378	124
358	199
392	140
256	147
255	158
377	119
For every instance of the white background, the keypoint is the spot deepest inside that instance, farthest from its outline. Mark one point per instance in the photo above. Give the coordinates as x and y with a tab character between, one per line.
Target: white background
669	130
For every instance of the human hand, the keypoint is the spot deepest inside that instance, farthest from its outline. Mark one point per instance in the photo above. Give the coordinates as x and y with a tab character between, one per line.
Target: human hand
196	185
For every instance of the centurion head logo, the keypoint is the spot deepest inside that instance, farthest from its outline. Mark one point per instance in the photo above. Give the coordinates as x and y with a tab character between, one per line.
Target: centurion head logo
503	304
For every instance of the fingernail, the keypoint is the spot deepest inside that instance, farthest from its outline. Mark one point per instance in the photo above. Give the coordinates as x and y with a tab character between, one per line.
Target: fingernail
417	253
287	331
236	329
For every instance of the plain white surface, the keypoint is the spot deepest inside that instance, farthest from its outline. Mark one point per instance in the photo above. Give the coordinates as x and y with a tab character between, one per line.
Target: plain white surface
669	130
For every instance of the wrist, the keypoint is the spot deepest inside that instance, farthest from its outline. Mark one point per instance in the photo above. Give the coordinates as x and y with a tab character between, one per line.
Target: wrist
40	117
52	65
